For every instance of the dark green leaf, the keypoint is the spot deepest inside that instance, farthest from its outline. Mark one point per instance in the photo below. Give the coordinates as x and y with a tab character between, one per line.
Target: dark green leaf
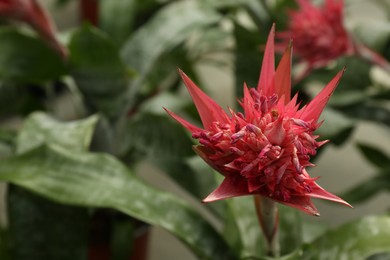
98	71
99	180
4	248
41	229
368	111
7	143
27	59
24	99
248	57
374	155
166	144
380	256
122	240
117	18
369	188
353	85
336	126
168	28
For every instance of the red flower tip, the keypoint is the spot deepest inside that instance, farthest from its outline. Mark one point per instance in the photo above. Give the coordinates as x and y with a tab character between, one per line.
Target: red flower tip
32	13
266	149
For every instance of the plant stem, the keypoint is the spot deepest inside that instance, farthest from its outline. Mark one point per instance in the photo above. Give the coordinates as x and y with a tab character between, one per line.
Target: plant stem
373	57
268	215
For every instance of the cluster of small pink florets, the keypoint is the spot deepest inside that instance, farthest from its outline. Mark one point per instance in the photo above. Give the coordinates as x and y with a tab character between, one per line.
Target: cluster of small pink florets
269	149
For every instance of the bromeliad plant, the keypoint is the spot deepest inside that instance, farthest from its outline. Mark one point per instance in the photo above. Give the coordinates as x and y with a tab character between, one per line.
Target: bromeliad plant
91	115
265	150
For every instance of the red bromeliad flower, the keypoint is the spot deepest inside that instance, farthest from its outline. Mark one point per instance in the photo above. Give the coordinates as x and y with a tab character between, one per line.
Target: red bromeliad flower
318	32
266	149
31	12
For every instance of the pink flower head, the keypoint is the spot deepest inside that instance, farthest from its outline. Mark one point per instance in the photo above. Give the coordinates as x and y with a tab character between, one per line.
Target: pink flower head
318	32
31	12
264	150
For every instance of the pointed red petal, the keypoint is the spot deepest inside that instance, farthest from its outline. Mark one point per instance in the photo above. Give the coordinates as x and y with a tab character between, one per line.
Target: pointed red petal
38	18
319	193
231	186
302	203
314	109
183	122
248	104
267	73
277	133
205	154
283	75
208	109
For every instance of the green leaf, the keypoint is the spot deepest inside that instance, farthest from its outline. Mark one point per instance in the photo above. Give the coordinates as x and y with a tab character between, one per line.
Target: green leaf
58	231
380	256
53	231
353	84
4	251
25	100
374	155
99	180
356	240
248	58
375	112
27	59
98	71
173	102
39	128
290	229
369	188
122	239
167	145
171	26
117	18
336	127
244	214
251	243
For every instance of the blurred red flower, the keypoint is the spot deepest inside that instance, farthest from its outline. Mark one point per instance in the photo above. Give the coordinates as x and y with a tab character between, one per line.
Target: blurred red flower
318	32
32	13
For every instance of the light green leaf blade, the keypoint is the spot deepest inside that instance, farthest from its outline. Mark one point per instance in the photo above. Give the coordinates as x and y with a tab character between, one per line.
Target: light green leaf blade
290	229
171	26
40	128
99	180
60	231
355	240
248	227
